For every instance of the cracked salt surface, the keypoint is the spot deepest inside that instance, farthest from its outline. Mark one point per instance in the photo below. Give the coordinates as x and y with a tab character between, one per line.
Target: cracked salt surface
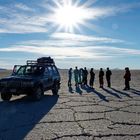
72	116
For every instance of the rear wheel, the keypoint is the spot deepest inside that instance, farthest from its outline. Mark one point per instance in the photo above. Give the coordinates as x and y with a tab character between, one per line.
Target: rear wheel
55	89
37	95
5	96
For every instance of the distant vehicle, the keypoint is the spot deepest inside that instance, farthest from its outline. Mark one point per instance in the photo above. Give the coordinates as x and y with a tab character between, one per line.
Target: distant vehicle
32	79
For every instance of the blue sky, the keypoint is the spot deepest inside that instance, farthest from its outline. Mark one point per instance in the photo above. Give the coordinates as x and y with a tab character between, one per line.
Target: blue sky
93	33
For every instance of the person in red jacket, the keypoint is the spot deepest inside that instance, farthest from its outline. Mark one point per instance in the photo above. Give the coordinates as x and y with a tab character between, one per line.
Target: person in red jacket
127	78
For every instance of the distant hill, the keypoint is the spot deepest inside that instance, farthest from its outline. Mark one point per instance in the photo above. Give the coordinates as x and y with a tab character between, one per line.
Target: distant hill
2	69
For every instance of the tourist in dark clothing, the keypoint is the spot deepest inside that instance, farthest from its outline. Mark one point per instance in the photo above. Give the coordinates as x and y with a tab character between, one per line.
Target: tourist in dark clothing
76	76
80	76
85	74
127	78
70	77
101	78
108	77
92	77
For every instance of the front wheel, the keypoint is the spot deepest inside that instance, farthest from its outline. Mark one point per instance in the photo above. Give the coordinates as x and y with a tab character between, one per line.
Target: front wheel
37	95
5	96
55	89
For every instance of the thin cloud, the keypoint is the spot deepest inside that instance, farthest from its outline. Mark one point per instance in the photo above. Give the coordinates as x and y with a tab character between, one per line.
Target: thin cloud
72	40
53	51
14	20
78	37
23	7
66	45
90	52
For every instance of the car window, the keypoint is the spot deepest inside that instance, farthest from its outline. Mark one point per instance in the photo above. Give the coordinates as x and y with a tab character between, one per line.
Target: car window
15	69
38	70
50	70
46	71
28	70
21	71
54	70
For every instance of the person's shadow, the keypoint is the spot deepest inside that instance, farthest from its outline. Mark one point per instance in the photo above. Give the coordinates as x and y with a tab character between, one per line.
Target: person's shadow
92	90
87	88
120	92
78	90
71	89
101	96
111	93
19	117
134	91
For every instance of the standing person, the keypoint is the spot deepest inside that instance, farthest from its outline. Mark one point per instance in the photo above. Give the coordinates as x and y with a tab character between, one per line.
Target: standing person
70	77
92	77
108	77
76	76
101	78
85	74
127	78
80	76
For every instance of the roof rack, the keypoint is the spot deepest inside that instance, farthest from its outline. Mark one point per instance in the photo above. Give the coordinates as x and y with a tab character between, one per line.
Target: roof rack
45	61
31	62
41	61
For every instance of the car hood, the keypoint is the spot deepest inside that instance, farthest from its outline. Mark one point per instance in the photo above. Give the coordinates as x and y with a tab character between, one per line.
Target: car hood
18	78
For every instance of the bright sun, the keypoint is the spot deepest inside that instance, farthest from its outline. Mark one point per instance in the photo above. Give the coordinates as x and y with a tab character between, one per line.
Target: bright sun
69	16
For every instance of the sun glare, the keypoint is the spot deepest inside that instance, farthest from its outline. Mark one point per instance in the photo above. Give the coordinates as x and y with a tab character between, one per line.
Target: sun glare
69	16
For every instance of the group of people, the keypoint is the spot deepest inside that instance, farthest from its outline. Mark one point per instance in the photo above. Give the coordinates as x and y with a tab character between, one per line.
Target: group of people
81	77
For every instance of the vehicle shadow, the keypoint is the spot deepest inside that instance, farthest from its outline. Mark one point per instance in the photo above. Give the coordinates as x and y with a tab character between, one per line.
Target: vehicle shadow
19	117
111	93
92	90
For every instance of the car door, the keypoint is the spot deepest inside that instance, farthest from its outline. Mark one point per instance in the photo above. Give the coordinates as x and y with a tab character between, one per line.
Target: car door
50	71
47	79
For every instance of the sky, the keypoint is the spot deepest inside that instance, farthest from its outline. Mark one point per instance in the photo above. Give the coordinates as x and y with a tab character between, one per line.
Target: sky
91	33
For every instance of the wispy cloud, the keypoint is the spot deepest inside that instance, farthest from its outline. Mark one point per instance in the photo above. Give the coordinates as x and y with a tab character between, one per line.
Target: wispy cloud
64	45
106	11
73	40
85	38
90	52
23	7
14	20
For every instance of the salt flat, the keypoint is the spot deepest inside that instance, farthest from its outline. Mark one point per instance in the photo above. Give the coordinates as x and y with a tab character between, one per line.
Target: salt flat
76	114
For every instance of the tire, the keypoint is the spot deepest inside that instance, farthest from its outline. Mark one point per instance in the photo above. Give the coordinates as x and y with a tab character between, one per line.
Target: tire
5	96
55	89
37	95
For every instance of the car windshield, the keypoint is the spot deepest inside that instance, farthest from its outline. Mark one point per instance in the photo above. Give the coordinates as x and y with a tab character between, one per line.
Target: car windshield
30	70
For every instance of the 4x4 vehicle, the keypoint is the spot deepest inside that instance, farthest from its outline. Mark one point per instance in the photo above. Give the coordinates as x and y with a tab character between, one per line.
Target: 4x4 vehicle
31	79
